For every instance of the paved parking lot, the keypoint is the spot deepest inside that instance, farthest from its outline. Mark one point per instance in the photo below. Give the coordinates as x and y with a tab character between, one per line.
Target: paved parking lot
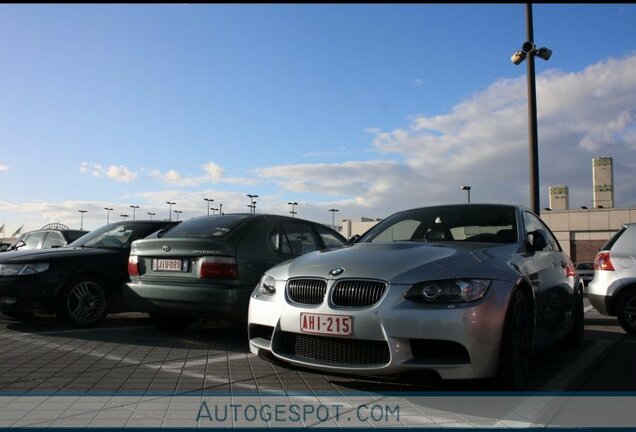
126	373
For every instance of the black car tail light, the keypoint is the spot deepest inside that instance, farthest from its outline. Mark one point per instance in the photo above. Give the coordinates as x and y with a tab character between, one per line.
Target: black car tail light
218	268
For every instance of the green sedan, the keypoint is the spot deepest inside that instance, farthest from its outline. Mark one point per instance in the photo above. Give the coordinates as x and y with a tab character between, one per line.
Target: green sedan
207	267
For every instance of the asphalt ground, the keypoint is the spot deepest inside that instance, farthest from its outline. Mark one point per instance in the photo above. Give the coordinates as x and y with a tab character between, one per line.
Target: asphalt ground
127	374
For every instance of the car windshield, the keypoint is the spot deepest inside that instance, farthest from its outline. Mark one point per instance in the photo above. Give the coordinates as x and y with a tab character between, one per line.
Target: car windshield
206	226
116	236
468	223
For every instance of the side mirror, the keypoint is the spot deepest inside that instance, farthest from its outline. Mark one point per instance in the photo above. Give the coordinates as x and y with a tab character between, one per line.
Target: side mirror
353	239
537	240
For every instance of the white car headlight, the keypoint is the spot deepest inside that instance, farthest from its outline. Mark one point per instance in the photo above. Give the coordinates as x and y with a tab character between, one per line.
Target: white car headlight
22	269
448	291
267	285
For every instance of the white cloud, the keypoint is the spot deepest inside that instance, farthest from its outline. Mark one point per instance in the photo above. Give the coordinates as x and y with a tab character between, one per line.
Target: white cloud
212	173
118	173
3	167
483	141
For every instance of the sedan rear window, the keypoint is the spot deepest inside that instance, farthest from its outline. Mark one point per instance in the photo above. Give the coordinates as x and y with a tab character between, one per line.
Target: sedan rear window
206	226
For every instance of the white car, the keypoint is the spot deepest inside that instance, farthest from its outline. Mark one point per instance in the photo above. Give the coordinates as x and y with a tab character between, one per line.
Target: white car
463	291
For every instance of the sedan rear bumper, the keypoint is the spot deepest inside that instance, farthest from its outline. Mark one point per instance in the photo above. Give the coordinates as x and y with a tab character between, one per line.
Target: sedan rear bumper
189	300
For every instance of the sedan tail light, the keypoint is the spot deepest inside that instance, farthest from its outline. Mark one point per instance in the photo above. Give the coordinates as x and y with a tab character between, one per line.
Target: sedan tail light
133	268
603	261
218	268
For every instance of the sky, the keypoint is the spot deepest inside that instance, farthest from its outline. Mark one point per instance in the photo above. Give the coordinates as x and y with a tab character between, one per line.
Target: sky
364	108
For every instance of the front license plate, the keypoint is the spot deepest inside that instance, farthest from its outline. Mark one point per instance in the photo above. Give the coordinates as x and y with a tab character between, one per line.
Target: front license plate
175	265
340	325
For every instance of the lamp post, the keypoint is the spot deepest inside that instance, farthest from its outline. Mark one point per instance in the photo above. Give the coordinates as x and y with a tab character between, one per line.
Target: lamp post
527	52
209	200
220	209
124	216
170	211
253	202
214	210
151	214
293	204
134	207
108	210
333	216
178	212
467	189
82	220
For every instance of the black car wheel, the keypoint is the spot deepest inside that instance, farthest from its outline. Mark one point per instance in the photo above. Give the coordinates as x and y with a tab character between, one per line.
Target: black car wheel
516	343
626	311
575	337
168	323
83	302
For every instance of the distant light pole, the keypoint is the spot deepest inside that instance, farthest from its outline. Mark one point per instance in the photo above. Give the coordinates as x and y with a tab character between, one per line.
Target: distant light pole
124	216
108	210
293	204
253	203
220	209
467	189
214	210
151	214
170	211
333	216
82	220
178	212
134	207
527	52
209	200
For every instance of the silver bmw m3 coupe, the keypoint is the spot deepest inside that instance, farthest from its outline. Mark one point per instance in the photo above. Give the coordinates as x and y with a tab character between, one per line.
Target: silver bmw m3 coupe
462	291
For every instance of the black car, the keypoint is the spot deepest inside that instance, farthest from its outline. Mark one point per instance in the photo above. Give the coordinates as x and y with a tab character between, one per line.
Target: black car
46	238
81	283
207	267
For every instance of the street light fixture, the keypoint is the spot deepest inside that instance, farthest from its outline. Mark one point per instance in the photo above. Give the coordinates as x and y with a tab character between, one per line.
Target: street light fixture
178	212
151	214
467	188
209	200
527	52
253	202
124	216
293	204
333	215
220	209
108	210
82	220
214	210
134	207
170	211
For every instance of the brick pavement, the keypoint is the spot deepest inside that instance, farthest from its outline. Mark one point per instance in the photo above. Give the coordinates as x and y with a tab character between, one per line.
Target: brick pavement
127	374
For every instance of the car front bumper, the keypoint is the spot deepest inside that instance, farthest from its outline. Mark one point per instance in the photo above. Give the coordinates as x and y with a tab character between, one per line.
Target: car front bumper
393	337
32	293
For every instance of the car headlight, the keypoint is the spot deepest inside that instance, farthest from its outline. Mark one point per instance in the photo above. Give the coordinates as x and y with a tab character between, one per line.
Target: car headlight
267	285
22	269
448	291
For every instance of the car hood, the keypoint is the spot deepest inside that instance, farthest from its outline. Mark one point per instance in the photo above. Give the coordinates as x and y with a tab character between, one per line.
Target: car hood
407	262
39	255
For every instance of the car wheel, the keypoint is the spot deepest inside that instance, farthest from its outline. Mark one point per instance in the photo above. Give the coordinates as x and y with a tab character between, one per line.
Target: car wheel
626	311
575	337
169	324
83	302
516	343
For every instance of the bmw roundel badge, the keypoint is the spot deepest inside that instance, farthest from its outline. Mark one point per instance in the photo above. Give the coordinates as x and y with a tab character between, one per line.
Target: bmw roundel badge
336	271
166	248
